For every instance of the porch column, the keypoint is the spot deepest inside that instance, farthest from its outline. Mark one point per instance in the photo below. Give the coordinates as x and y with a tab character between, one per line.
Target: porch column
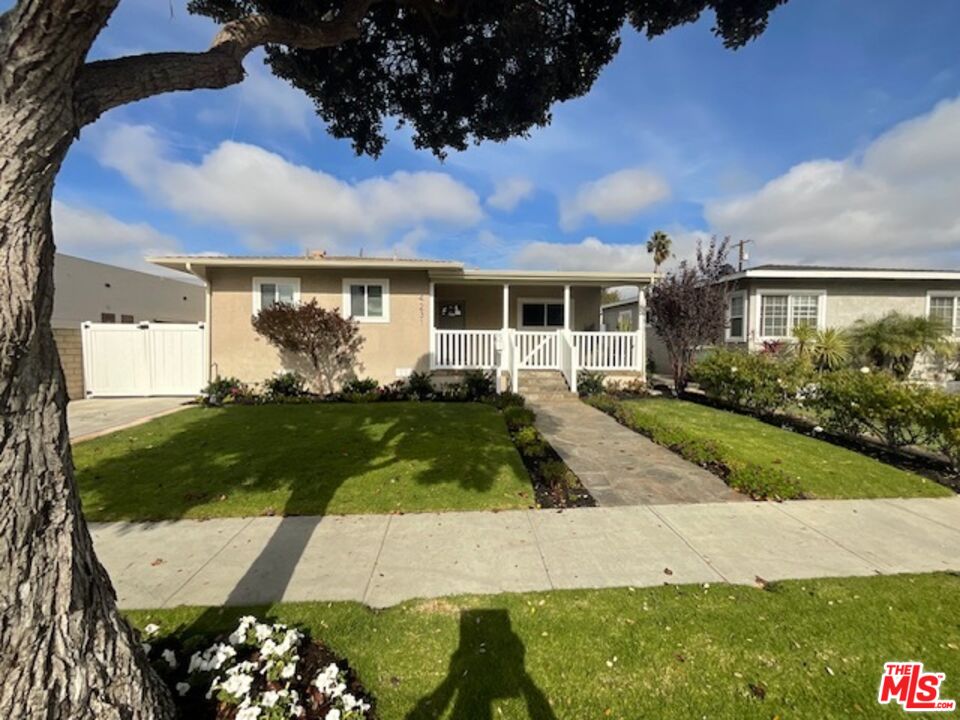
433	330
505	349
640	361
566	307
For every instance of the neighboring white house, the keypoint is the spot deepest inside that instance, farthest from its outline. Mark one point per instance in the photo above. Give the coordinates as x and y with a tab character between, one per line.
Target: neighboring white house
92	291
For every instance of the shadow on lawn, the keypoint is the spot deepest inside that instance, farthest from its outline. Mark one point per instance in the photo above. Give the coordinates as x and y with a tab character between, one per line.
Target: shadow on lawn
306	452
488	665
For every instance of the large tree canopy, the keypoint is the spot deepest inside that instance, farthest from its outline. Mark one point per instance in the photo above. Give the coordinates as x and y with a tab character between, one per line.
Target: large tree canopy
457	71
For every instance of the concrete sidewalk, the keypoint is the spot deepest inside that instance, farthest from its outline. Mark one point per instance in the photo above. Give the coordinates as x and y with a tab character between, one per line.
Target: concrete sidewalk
385	559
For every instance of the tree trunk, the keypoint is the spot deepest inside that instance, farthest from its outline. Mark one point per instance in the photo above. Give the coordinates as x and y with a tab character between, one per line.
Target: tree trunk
65	652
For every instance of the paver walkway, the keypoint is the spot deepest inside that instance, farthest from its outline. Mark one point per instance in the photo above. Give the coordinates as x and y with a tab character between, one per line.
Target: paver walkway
385	559
621	467
89	418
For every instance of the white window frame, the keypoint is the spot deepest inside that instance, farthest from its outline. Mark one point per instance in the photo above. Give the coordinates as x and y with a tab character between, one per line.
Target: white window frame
540	301
745	317
258	281
384	283
790	293
955	294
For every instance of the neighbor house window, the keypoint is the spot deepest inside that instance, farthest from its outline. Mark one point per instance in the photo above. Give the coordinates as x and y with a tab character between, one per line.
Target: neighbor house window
541	314
781	314
625	320
736	316
366	300
271	291
946	309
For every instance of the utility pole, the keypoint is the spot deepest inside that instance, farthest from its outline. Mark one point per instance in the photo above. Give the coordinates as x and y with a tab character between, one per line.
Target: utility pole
742	255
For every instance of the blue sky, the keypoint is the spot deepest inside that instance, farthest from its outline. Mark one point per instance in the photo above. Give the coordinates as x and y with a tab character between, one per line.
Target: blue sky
834	138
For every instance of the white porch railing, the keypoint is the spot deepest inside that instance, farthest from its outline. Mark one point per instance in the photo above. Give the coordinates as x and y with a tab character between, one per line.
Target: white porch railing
515	350
467	349
609	350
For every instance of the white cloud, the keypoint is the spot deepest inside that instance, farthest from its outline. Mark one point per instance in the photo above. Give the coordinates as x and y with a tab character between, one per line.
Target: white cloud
591	253
95	235
268	199
508	193
896	203
617	197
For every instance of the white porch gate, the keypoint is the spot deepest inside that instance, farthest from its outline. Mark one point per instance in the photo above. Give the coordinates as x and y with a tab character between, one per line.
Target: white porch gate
144	359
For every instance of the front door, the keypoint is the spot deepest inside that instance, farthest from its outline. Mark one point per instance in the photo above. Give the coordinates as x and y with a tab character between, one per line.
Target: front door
451	315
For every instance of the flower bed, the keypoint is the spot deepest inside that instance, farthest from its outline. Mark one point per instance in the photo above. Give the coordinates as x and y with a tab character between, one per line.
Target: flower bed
554	484
259	672
289	387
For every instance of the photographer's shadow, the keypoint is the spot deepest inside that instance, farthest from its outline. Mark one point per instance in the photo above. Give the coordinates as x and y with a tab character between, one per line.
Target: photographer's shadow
488	665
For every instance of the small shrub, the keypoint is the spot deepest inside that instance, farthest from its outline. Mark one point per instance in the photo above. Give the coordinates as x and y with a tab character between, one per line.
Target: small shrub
590	382
420	385
518	417
530	443
397	390
479	384
853	402
764	483
509	399
760	382
554	474
224	390
943	425
358	386
452	392
286	384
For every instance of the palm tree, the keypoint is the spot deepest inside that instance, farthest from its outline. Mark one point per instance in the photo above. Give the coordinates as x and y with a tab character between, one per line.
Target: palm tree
659	246
894	341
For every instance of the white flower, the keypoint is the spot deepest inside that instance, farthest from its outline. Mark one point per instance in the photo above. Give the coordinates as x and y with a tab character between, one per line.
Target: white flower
212	658
183	688
734	369
865	370
269	698
333	714
288	671
262	631
250	712
151	630
170	657
237	685
239	636
818	429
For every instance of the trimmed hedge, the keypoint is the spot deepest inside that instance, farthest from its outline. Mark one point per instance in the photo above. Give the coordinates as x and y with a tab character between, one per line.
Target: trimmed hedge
758	481
762	383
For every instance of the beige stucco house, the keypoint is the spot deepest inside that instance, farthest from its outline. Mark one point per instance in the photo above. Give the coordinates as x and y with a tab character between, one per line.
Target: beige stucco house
420	315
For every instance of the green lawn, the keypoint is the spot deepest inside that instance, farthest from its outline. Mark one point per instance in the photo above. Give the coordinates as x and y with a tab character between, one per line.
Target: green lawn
800	649
304	460
822	470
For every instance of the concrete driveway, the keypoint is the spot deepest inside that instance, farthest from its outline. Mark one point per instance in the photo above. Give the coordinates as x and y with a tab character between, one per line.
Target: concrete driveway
89	418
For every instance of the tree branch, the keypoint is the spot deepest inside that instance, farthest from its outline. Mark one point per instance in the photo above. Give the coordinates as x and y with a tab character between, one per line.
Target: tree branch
106	84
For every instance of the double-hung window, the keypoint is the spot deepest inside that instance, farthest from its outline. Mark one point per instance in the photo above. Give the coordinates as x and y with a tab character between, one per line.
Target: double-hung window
272	291
782	313
737	316
945	308
366	300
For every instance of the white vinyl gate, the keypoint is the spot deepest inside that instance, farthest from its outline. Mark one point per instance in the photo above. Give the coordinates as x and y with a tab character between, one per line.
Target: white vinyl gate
144	359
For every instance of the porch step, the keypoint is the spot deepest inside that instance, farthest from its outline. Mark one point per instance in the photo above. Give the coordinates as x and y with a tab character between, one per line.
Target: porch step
543	385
